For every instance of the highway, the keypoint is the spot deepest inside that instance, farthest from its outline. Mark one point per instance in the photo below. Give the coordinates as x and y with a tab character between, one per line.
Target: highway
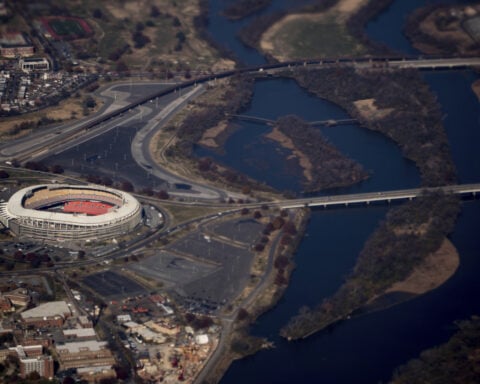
370	197
39	144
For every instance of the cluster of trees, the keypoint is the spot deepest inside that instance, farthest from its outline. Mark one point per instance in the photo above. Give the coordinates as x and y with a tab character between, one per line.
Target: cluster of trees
139	39
198	322
415	123
34	259
119	52
236	95
389	255
415	33
31	124
244	8
287	242
330	169
39	166
455	362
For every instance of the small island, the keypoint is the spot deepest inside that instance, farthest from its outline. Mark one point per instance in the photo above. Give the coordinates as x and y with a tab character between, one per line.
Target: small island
324	167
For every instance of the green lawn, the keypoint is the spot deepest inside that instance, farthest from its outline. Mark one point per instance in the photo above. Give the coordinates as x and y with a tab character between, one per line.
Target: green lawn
66	27
307	39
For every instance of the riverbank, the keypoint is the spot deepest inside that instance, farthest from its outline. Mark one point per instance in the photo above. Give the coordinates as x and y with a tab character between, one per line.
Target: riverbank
401	251
274	281
324	166
445	29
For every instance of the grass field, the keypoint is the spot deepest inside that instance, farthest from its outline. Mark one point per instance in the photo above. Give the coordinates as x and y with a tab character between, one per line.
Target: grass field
306	39
66	28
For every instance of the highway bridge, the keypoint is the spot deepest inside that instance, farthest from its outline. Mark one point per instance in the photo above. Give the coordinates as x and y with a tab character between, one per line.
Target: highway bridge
463	190
41	145
326	123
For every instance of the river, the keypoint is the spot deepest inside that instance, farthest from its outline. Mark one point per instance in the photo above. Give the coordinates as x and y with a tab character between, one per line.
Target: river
364	349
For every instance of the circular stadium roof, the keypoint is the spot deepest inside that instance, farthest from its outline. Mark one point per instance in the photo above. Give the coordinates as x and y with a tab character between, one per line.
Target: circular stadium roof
129	205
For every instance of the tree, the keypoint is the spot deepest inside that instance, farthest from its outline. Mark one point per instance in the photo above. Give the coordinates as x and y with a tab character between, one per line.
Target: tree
162	194
97	13
56	169
127	186
154	12
89	102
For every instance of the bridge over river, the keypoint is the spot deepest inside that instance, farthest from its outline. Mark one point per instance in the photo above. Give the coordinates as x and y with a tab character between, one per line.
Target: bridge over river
466	190
326	123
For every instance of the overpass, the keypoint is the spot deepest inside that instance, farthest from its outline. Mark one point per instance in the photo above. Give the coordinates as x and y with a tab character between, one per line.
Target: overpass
383	197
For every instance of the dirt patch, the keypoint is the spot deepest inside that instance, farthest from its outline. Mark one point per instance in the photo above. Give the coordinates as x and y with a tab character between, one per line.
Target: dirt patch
286	142
437	268
209	136
369	111
67	109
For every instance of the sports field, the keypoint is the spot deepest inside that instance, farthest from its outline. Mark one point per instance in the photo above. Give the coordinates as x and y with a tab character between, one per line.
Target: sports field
67	28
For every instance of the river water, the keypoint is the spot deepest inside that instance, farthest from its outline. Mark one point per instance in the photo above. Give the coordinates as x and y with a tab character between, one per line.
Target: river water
365	349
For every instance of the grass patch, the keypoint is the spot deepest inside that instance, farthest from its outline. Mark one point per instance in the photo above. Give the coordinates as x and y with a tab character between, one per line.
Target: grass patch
67	27
301	39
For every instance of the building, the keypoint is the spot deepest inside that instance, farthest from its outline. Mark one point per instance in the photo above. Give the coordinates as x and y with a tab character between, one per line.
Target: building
31	64
81	354
80	334
18	297
14	45
51	314
5	304
43	365
31	359
37	212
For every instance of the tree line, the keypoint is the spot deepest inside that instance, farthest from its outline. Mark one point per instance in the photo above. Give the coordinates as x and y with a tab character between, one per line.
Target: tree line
390	254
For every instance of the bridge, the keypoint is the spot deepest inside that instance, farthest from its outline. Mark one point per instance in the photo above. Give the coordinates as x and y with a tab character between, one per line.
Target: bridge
464	190
326	123
42	145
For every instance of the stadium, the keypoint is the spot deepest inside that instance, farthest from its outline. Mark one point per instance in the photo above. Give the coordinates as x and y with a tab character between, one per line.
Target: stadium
57	212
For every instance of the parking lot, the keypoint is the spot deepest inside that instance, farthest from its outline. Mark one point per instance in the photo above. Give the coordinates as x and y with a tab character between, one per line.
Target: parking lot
110	285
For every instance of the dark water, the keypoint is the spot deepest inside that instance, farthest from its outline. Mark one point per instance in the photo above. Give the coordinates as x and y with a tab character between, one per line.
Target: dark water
387	27
250	153
368	348
225	32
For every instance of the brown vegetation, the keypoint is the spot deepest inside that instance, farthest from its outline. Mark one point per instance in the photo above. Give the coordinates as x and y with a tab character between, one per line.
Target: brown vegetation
415	123
324	166
390	255
455	362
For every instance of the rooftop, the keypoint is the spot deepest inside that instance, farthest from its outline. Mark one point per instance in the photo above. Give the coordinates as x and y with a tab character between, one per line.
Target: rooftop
82	346
50	309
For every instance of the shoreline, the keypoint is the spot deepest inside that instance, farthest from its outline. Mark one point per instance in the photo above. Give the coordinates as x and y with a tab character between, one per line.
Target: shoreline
410	288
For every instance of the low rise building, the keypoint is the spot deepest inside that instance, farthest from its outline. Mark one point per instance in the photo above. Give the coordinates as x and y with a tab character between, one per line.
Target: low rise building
51	314
15	44
18	296
30	64
83	354
80	334
43	365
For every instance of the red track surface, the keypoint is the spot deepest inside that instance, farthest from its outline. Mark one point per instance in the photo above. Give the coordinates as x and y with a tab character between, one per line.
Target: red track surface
91	208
